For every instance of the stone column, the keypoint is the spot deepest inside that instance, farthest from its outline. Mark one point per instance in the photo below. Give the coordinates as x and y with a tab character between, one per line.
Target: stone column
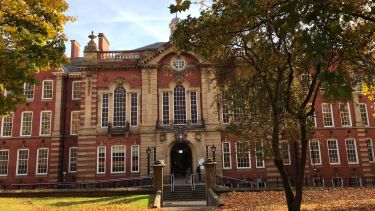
158	175
210	169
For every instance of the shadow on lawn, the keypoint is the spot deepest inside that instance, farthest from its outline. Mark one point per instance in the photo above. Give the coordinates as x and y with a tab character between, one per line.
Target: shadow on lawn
114	200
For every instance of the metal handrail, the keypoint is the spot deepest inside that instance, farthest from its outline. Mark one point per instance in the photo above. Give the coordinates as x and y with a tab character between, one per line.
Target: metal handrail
192	182
172	182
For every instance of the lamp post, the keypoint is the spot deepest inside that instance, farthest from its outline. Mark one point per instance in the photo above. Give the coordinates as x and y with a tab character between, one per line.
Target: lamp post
213	150
148	151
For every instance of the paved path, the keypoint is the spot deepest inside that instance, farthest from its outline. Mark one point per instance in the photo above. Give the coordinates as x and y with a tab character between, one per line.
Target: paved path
186	205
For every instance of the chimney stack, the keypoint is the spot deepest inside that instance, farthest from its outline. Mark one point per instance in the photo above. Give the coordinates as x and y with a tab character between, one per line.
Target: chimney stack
103	42
74	50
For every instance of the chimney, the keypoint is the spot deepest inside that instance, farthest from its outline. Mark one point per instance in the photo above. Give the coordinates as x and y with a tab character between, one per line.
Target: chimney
74	49
103	42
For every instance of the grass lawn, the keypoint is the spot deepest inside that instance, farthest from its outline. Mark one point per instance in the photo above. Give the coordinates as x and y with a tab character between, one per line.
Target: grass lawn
133	202
313	199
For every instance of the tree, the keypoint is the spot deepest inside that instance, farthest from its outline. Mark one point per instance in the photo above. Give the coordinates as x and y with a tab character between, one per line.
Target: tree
277	55
31	40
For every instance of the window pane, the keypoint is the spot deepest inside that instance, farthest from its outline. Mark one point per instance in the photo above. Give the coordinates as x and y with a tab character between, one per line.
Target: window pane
73	159
119	113
47	89
76	95
101	159
134	109
243	155
105	110
4	160
259	155
23	157
27	120
194	107
363	112
179	105
333	151
7	125
315	153
165	108
29	91
45	124
42	162
135	158
118	159
370	150
351	151
345	115
327	115
75	121
226	155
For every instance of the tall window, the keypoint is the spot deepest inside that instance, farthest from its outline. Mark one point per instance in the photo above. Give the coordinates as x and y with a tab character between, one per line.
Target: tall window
259	155
134	109
243	155
327	115
119	113
364	115
7	125
73	159
135	158
47	89
313	119
28	91
26	123
333	151
105	110
165	108
74	123
315	153
22	161
4	161
76	90
306	82
227	162
45	123
179	105
370	150
345	115
42	161
225	114
118	159
101	160
193	107
285	153
351	151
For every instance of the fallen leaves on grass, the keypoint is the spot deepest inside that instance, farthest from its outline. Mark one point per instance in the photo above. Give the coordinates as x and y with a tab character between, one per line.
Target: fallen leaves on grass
313	199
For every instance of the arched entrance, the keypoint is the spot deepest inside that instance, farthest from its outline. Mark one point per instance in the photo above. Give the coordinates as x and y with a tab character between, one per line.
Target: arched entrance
181	159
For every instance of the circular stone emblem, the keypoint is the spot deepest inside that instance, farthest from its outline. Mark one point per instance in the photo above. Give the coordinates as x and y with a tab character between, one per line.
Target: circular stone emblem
178	64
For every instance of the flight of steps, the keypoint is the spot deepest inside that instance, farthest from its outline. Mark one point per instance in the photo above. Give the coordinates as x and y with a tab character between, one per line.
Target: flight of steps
184	193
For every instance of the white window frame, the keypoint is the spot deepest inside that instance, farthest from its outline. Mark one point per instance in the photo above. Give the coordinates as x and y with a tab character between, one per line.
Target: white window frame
331	111
370	147
196	104
5	150
27	162
281	146
101	110
119	172
2	126
320	152
131	160
40	123
105	160
256	157
24	92
37	161
74	90
249	156
71	122
230	155
355	149
70	157
165	104
131	107
349	114
43	89
31	127
337	151
360	113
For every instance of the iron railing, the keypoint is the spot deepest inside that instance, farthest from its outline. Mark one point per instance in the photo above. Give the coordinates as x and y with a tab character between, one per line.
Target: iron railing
174	124
168	179
111	183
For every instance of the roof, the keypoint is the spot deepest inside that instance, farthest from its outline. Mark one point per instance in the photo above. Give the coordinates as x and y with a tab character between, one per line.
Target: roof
152	46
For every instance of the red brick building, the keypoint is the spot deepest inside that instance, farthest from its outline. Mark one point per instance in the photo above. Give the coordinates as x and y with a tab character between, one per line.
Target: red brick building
95	118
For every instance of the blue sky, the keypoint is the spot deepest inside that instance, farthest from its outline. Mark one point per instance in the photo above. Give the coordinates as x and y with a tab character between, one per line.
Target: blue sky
127	24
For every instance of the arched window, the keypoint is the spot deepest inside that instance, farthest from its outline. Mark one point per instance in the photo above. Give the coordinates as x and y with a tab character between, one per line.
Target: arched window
119	107
179	105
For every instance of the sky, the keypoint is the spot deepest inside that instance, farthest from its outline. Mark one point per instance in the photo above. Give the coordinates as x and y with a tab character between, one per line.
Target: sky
127	24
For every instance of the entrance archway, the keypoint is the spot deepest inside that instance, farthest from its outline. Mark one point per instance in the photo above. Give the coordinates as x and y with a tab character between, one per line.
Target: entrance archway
181	159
